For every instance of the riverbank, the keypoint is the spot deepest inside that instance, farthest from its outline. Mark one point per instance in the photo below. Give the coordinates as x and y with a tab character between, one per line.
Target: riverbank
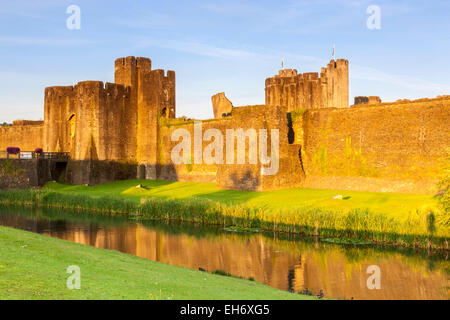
33	266
399	219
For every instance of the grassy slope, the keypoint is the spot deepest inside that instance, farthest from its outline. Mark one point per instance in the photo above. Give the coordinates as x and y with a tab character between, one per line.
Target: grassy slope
33	266
393	204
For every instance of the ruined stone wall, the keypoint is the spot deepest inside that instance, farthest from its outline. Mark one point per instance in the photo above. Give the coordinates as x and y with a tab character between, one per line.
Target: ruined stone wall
388	147
222	107
367	100
235	176
250	177
309	90
185	171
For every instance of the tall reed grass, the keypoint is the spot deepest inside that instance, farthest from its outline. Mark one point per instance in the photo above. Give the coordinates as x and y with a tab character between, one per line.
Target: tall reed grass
418	229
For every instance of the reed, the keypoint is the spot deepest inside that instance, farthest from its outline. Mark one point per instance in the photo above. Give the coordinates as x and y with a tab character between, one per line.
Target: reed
18	197
418	229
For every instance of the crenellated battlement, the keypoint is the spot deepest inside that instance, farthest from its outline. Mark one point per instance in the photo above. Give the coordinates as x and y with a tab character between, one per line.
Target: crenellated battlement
311	90
97	120
27	123
162	74
285	73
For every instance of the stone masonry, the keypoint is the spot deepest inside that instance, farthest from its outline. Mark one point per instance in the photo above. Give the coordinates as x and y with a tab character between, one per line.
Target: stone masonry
125	129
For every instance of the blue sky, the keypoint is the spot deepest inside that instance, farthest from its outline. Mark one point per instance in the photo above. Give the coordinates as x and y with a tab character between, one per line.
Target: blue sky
216	46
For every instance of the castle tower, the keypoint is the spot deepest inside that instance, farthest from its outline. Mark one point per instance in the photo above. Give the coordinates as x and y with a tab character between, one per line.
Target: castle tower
309	90
337	84
152	97
156	101
127	71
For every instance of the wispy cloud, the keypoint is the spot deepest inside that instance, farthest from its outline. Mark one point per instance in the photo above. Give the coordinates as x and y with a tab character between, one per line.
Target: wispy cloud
30	41
148	20
371	74
20	13
15	75
358	72
280	14
310	16
232	8
198	48
30	8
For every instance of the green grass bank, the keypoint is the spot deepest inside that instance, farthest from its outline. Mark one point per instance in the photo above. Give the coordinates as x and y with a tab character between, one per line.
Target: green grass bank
400	219
33	266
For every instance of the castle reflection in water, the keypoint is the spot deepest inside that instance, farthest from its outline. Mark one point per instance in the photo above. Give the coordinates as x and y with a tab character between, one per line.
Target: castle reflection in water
288	265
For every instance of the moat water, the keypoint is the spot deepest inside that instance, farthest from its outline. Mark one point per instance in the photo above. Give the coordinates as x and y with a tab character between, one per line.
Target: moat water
285	262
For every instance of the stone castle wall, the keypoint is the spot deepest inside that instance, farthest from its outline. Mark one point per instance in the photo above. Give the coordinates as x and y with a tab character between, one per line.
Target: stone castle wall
397	147
249	176
245	176
123	130
23	174
388	147
26	137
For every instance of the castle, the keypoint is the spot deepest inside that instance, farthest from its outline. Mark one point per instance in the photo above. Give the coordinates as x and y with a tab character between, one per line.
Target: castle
124	130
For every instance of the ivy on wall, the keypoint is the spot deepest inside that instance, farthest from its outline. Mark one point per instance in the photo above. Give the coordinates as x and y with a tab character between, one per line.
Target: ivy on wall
351	162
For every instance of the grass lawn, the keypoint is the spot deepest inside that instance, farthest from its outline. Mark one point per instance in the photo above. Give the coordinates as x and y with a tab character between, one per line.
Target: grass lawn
392	204
33	266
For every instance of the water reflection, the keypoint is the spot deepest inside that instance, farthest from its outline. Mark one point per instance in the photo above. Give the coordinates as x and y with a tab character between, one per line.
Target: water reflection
287	264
